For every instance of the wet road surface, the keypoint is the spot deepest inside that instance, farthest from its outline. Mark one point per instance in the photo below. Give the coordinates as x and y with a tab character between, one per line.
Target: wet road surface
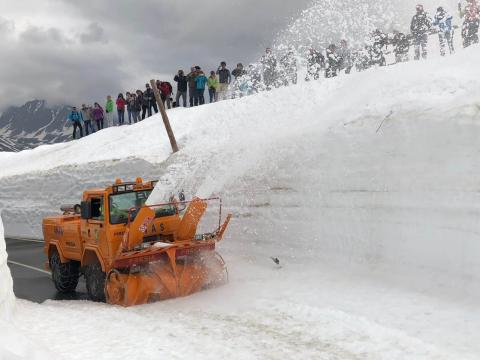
31	281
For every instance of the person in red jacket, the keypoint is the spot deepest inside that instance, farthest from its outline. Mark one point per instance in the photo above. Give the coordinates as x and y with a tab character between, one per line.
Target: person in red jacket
166	91
121	109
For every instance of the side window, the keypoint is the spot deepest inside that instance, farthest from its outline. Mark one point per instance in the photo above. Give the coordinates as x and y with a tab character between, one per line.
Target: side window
97	209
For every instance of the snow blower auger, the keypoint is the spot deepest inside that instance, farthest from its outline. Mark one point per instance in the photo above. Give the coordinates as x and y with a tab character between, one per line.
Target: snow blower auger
146	271
131	253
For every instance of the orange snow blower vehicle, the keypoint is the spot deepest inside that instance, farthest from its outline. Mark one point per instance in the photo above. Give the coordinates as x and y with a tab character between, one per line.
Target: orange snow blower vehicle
132	253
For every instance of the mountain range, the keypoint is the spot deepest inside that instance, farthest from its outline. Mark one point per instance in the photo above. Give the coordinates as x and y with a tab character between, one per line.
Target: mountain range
33	124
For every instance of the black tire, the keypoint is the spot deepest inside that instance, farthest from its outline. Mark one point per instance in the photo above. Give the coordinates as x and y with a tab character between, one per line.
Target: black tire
95	279
64	275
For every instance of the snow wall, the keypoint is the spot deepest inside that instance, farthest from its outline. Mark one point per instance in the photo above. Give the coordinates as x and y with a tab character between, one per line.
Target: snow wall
377	169
6	286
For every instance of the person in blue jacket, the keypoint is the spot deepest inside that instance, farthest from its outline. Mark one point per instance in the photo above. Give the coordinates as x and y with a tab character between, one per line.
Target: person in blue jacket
443	22
76	118
200	82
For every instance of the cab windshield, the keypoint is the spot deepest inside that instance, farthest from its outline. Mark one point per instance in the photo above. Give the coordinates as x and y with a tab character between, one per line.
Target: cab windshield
120	205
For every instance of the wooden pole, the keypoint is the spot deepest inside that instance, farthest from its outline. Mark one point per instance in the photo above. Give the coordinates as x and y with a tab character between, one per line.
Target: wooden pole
166	122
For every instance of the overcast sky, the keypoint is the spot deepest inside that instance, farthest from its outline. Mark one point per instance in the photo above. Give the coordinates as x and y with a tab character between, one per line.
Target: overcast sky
72	51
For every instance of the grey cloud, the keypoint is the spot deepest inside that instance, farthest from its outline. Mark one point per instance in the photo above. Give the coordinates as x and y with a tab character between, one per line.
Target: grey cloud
145	38
6	26
94	33
36	35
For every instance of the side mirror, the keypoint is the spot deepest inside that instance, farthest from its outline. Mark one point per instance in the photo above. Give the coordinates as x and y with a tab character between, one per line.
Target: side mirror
86	210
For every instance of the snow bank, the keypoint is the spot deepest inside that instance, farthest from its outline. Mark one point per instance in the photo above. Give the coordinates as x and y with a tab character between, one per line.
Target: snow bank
364	186
13	344
6	286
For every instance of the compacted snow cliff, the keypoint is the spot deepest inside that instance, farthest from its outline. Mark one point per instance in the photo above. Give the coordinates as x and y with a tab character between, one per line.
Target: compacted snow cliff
365	187
6	291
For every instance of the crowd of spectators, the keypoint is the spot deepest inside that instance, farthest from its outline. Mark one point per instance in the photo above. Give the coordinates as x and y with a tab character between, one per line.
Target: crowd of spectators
271	72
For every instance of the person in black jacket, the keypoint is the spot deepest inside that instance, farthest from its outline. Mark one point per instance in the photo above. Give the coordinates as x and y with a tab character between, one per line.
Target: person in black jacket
315	64
401	46
145	106
182	85
139	105
420	25
149	101
332	61
224	78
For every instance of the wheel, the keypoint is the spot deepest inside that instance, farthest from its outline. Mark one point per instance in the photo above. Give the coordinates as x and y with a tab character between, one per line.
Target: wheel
64	275
95	279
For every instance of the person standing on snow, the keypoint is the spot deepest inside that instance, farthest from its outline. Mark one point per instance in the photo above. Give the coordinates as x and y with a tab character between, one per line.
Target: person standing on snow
98	115
315	64
419	28
165	89
75	117
135	108
121	109
345	55
128	102
471	22
139	105
254	78
129	99
200	81
182	86
149	96
109	111
238	71
443	22
212	86
289	64
192	86
224	79
379	41
401	46
332	61
87	119
269	69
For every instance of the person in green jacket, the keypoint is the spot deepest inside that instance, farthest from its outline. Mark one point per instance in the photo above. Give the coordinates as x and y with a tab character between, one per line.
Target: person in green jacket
109	111
213	84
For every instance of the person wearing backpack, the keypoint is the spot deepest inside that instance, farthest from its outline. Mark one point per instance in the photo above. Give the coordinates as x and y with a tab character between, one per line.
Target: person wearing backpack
109	111
166	90
419	27
200	82
443	22
471	22
75	117
87	119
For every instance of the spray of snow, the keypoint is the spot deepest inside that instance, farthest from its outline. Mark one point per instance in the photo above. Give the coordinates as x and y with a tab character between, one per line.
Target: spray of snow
329	21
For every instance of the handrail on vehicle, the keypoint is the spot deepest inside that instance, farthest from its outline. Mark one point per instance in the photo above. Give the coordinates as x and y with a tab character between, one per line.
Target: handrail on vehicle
176	203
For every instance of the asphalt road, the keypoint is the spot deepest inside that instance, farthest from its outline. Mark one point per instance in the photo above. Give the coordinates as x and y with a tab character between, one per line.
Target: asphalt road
30	279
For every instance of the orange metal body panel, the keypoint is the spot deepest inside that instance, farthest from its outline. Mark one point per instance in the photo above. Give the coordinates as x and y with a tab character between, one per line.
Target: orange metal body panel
149	258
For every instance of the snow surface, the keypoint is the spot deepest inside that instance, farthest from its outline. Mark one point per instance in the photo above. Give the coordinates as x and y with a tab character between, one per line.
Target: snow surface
7	298
364	186
13	344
